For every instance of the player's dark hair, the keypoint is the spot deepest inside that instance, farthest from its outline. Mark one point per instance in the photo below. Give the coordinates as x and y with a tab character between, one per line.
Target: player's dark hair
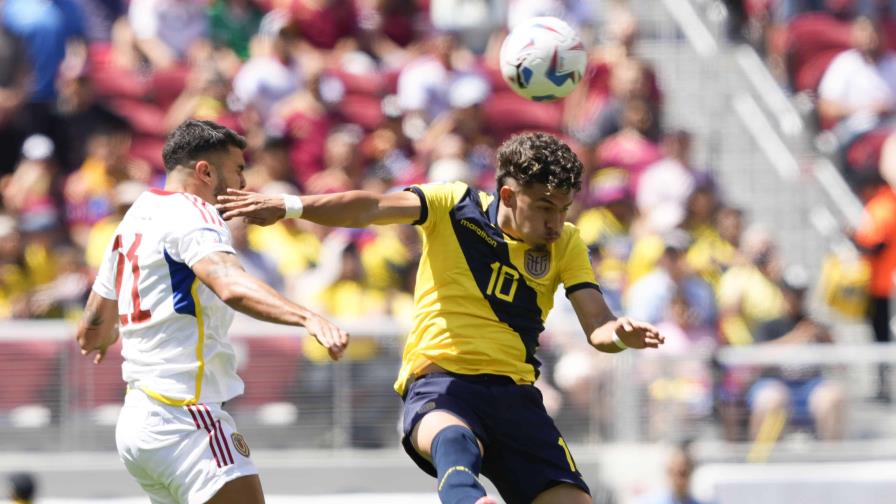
539	158
193	139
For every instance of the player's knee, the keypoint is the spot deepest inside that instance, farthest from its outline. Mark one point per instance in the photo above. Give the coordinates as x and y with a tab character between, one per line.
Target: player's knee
456	456
456	445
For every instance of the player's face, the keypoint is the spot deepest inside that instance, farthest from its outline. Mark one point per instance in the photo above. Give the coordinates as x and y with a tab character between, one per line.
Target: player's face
539	213
229	167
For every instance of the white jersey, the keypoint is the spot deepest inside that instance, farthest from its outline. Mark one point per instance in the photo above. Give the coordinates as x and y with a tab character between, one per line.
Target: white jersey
173	327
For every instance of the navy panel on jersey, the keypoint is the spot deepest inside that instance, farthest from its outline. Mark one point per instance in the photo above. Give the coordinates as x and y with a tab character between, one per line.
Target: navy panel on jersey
500	282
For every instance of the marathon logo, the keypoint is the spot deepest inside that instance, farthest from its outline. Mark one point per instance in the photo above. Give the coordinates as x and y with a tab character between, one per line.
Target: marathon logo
479	231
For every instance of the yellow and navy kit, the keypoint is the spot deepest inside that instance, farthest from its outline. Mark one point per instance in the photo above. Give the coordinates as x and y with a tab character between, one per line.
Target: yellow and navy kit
481	297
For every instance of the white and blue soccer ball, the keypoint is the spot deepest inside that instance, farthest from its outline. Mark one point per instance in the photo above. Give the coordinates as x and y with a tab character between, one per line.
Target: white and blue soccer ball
543	59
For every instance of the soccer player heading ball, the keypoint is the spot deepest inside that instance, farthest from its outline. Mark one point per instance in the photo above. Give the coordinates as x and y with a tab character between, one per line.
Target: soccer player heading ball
485	284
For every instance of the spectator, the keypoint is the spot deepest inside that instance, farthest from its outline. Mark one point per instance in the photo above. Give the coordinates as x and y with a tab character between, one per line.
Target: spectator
606	228
631	148
293	245
257	264
99	18
580	15
389	26
876	239
22	488
270	165
324	23
88	190
615	74
101	234
628	81
425	82
650	297
31	193
166	30
14	80
667	184
716	249
80	112
749	292
203	98
800	391
343	163
23	267
307	121
682	325
46	28
272	72
679	468
232	24
64	296
858	89
472	21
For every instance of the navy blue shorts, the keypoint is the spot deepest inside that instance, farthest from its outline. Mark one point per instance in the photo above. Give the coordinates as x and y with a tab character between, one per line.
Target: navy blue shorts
524	452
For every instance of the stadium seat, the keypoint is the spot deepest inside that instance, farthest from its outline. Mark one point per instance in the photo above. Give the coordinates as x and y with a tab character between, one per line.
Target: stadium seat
813	40
30	373
91	385
506	113
863	154
270	370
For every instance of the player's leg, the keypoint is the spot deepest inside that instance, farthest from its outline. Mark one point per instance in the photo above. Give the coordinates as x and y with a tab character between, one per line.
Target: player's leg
527	458
449	443
243	490
563	494
444	436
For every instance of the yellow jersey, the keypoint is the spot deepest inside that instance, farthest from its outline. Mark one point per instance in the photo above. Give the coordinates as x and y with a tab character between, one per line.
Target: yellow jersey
481	297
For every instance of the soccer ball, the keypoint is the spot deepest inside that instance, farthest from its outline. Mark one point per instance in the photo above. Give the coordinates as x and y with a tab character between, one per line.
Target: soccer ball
542	59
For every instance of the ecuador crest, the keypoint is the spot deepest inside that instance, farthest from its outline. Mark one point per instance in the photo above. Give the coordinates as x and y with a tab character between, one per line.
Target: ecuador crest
537	262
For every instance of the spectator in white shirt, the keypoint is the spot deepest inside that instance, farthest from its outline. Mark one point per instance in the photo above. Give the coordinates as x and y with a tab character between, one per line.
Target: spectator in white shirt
165	30
670	181
858	89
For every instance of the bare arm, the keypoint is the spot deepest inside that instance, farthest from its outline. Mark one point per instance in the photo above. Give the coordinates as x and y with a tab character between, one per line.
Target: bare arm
345	209
224	275
98	329
600	324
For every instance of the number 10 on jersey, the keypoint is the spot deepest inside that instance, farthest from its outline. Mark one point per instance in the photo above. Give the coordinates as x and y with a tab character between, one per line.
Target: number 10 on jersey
501	275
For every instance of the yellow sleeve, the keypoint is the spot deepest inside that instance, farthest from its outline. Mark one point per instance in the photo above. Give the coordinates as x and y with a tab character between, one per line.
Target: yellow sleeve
436	200
575	265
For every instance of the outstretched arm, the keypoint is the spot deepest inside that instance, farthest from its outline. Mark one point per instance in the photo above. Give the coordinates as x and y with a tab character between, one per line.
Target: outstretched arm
224	275
601	325
98	329
344	209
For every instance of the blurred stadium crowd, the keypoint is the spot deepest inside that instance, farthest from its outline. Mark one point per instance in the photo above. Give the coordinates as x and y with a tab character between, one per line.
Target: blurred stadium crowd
377	94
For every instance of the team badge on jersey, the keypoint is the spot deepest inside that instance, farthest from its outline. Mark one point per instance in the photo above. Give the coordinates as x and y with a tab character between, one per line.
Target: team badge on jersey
239	442
537	262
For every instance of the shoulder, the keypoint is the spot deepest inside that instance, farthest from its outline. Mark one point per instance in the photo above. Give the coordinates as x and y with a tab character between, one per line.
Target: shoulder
571	238
183	210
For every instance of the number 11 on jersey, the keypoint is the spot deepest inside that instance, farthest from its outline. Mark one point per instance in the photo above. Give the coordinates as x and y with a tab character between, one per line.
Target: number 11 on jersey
137	314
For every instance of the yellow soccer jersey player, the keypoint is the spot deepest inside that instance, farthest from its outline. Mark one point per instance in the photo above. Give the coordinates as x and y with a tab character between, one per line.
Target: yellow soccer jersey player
489	268
481	296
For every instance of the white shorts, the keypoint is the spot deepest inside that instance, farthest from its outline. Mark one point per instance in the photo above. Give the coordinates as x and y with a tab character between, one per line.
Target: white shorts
180	454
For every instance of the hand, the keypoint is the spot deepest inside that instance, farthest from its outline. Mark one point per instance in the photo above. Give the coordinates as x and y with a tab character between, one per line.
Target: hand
256	208
638	334
101	350
334	339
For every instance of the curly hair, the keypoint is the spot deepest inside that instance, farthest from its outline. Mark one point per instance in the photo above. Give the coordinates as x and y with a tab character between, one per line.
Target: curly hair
194	139
539	158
